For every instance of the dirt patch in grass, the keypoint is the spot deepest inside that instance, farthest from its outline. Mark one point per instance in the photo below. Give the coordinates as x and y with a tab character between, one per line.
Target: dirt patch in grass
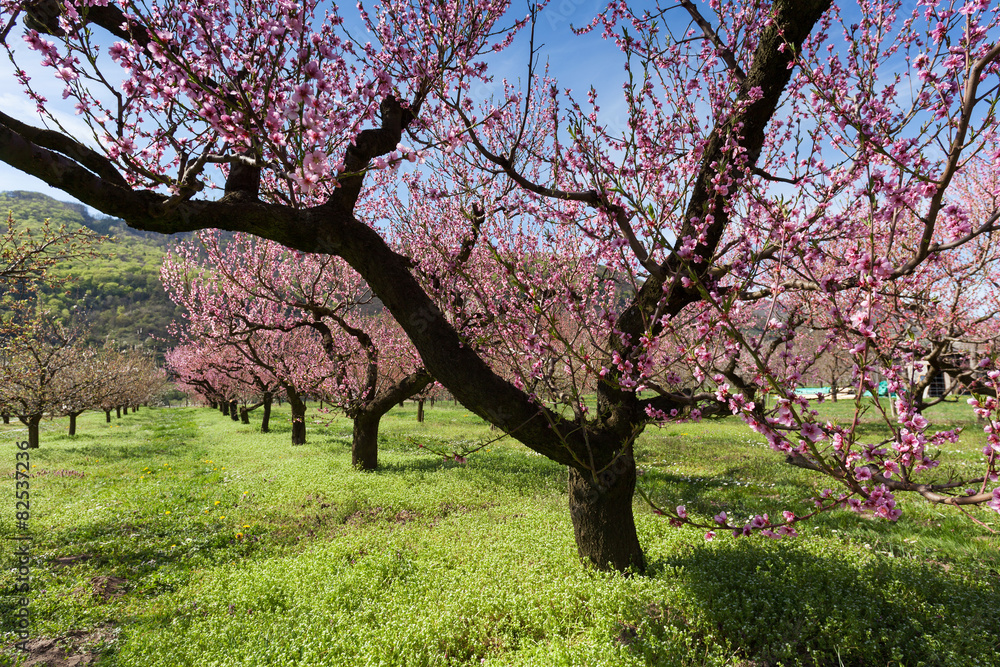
107	587
76	649
104	587
66	561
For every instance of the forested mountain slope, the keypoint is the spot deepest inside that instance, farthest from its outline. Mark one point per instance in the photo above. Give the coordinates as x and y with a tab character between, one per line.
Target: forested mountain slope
118	293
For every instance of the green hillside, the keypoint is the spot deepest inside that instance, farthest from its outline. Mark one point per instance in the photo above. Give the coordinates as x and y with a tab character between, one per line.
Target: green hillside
119	293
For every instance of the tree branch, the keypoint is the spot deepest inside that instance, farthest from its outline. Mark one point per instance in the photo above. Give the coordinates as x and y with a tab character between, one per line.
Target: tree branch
711	35
931	492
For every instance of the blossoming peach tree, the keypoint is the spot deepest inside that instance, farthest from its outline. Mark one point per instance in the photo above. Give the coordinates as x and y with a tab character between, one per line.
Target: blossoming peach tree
769	161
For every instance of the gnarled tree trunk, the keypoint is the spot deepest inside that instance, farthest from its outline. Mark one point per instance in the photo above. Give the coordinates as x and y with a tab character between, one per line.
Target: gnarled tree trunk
32	422
603	523
72	422
298	417
265	424
364	445
234	411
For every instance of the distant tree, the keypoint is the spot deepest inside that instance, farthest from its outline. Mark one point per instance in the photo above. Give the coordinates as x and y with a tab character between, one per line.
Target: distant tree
78	388
41	373
27	254
143	380
199	368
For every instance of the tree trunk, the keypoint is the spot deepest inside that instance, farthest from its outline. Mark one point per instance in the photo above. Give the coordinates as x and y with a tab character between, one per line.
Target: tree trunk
244	415
6	418
420	410
234	411
107	416
118	412
224	408
364	446
265	425
32	422
298	418
72	422
603	523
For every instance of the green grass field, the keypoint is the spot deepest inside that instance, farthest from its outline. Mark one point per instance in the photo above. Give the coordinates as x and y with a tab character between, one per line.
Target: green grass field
178	537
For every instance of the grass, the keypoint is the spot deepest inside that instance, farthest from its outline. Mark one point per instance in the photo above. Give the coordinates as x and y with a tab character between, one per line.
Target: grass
178	537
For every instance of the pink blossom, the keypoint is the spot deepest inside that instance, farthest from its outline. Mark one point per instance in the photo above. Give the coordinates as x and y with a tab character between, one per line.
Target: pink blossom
813	432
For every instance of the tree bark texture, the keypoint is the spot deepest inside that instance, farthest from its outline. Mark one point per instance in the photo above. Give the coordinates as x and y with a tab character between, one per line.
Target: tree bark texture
364	444
298	417
32	422
603	522
265	424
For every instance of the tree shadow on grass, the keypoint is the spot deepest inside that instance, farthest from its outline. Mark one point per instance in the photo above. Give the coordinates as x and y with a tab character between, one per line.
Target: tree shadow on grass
103	561
710	494
146	450
822	604
167	437
512	471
